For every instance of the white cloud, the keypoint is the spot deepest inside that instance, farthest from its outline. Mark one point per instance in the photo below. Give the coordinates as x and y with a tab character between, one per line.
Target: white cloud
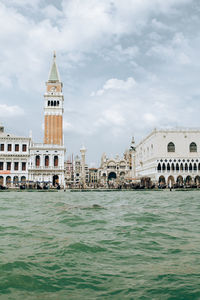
81	26
150	118
135	55
177	50
116	84
67	126
111	116
7	111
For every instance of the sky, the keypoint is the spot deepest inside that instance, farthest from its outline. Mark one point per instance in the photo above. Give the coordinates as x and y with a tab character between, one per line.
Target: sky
127	67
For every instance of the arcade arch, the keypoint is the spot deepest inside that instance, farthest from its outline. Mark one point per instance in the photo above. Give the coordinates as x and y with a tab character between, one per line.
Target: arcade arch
112	176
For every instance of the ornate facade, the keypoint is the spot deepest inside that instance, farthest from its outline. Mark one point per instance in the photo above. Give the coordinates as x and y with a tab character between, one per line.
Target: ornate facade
115	170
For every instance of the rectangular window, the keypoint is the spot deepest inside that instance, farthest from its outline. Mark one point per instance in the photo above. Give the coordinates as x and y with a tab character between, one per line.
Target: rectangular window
8	166
16	166
23	166
9	147
24	147
1	165
17	147
1	147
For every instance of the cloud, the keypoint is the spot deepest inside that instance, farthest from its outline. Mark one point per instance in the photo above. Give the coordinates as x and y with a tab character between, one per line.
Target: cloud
67	126
159	25
7	111
150	118
111	116
176	50
77	27
116	84
140	59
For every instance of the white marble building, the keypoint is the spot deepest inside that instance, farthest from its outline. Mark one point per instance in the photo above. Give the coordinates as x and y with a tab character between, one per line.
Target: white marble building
47	164
169	157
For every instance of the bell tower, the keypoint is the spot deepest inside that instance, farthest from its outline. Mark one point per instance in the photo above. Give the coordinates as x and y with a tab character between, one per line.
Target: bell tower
53	107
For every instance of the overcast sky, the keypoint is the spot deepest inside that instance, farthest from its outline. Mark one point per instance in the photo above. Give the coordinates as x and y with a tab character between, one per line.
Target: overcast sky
127	67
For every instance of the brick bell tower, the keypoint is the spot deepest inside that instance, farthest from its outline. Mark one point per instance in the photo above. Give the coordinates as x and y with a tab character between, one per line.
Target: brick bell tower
53	107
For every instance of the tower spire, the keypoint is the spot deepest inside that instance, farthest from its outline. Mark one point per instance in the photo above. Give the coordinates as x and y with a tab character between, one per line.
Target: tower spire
53	107
54	75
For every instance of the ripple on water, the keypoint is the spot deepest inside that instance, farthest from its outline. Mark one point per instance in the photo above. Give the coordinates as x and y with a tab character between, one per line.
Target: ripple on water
117	245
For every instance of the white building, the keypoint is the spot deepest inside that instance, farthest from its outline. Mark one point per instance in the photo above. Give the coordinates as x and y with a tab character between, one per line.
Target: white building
168	157
47	164
14	159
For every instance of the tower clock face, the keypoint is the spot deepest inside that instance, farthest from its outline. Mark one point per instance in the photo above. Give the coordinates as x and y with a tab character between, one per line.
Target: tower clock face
53	89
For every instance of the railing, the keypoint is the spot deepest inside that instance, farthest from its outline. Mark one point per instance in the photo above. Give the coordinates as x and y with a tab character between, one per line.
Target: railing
46	168
49	146
178	171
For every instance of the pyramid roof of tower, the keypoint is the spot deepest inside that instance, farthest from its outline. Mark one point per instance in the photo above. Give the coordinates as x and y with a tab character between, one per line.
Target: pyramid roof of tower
54	74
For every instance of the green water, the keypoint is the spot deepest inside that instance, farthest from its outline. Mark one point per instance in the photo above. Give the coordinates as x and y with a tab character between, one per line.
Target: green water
136	245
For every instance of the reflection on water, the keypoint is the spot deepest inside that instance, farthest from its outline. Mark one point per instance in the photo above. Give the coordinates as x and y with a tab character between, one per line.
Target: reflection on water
117	245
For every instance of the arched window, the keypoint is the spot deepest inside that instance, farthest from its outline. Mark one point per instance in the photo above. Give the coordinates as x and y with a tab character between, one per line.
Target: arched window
186	167
173	167
177	167
159	167
193	147
171	147
168	167
51	103
195	167
55	161
37	161
181	167
8	181
163	167
199	167
190	167
23	179
46	161
54	104
57	103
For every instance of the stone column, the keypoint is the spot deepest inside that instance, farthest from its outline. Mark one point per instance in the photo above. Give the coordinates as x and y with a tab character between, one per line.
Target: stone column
133	153
83	151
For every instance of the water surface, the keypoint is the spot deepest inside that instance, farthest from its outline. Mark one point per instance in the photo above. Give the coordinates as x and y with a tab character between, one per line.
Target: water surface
116	245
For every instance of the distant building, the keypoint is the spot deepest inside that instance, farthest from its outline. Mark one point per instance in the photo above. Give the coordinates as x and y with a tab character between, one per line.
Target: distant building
114	170
69	173
93	176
